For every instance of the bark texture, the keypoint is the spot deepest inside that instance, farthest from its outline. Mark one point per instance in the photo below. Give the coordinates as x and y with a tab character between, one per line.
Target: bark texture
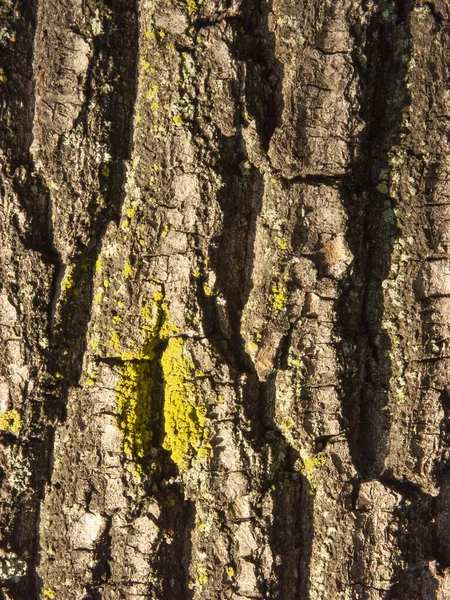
225	299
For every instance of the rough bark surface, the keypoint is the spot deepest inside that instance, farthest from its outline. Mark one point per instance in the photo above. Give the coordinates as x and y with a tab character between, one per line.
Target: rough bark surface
225	299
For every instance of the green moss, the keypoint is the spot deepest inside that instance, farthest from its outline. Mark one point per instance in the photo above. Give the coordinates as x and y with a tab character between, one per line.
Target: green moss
10	421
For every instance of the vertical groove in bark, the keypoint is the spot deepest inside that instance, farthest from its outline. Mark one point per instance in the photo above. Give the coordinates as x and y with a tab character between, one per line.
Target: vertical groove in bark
384	102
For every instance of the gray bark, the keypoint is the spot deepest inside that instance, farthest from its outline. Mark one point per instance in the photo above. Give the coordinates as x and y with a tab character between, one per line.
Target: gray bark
224	300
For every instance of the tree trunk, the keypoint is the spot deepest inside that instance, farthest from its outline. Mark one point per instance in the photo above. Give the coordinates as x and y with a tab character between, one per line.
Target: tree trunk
224	300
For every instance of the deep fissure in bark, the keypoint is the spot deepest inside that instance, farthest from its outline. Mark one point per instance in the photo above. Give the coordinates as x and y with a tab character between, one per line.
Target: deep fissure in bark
368	372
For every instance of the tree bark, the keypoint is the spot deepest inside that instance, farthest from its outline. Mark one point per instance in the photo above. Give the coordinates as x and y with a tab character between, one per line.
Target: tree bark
224	300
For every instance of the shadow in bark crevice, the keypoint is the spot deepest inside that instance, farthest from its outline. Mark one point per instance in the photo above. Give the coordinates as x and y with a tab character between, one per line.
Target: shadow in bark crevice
172	556
292	530
101	572
416	539
232	259
258	93
366	346
122	50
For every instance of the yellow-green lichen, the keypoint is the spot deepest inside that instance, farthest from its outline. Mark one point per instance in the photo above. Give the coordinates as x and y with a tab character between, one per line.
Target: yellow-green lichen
98	265
128	270
133	407
67	281
186	434
131	211
288	426
136	383
145	64
383	187
309	468
192	7
91	377
279	296
49	594
230	571
282	244
184	418
202	573
10	421
114	341
207	289
253	346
